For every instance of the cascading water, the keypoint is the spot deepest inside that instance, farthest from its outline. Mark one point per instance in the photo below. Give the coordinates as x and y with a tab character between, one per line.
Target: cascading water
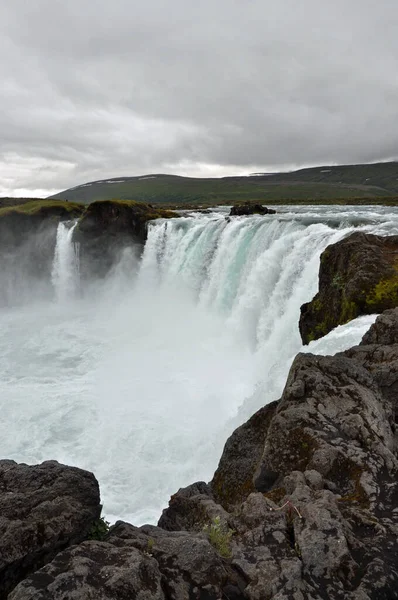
142	378
65	271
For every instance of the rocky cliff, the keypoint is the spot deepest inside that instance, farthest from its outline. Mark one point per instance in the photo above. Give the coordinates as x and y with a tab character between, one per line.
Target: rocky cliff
302	506
357	276
107	227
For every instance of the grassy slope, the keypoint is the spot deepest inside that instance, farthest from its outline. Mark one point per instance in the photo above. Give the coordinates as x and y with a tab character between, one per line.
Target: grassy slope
313	185
33	207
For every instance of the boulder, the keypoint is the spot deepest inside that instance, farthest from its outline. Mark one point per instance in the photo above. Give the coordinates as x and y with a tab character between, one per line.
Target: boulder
250	209
109	226
43	509
238	473
145	563
357	276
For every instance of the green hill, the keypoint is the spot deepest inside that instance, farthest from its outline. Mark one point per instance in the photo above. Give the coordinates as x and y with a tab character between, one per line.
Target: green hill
373	181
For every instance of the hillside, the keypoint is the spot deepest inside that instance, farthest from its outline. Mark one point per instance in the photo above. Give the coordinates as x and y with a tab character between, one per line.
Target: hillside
379	180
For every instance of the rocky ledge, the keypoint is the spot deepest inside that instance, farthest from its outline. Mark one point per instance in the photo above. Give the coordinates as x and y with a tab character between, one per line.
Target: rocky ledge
109	226
250	209
303	505
357	276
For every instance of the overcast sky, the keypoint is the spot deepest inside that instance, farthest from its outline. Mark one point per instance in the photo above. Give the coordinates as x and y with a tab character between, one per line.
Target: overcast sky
92	89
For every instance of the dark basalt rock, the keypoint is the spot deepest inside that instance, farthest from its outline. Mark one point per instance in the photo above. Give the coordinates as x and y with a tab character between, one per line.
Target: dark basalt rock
43	509
357	276
323	526
108	227
145	563
250	209
238	473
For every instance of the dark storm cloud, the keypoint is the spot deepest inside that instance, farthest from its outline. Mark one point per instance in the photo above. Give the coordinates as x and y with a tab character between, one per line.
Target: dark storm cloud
94	89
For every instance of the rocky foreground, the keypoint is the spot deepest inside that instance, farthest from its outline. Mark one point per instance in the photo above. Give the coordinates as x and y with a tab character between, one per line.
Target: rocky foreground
303	505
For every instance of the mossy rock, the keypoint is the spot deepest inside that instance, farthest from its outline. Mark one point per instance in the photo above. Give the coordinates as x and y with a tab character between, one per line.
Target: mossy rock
357	276
234	479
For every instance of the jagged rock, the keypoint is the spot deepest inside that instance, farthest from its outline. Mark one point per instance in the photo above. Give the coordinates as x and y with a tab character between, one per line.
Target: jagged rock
357	276
237	474
43	509
191	508
250	209
145	563
109	226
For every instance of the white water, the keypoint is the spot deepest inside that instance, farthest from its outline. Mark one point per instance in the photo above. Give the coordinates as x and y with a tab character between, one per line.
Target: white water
143	378
65	272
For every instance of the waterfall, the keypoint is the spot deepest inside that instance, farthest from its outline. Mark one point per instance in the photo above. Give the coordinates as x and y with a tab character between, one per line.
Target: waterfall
65	270
143	377
255	271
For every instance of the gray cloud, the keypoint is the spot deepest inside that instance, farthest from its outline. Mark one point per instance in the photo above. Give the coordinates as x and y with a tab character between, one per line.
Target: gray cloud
97	89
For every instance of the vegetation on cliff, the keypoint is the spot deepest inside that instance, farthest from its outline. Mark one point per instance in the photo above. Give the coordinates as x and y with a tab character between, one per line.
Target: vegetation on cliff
43	208
357	276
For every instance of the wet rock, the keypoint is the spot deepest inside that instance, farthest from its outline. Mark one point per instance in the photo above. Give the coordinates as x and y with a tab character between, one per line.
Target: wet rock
357	276
250	209
43	509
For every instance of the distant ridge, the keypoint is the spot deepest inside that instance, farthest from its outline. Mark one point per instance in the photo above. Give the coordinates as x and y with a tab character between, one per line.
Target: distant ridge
341	182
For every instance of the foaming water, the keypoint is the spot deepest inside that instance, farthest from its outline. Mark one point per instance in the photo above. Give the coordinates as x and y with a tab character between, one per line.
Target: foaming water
142	379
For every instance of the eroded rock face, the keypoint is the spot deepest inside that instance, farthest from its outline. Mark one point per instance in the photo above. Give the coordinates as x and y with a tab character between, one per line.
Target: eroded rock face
250	209
309	509
357	276
43	509
108	227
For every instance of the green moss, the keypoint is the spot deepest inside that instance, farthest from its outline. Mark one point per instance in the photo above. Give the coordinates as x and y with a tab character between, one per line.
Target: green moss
346	474
36	206
349	310
230	493
384	294
276	495
99	529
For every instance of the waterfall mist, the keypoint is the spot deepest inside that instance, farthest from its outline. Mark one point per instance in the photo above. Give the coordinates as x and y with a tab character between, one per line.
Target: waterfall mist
142	376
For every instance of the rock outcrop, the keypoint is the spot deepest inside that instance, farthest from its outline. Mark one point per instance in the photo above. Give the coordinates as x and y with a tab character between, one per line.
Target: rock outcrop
43	510
250	209
357	276
303	504
109	226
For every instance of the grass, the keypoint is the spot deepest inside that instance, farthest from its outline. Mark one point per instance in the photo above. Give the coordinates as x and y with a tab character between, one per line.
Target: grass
219	537
36	206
